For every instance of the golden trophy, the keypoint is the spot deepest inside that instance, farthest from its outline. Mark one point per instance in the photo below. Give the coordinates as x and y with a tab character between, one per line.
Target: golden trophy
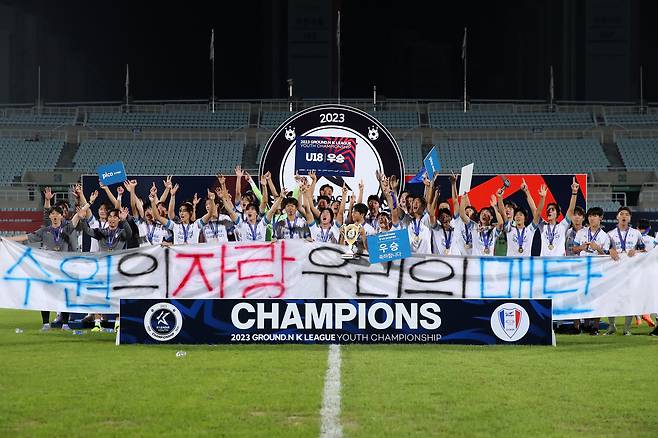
351	234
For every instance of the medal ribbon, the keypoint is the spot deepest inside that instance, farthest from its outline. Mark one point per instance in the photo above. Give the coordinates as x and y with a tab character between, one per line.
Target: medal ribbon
622	241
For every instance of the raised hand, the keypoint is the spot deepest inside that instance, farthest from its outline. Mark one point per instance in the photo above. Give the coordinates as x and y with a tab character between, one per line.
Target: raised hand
238	172
263	180
493	201
385	184
93	196
453	177
543	190
130	185
394	182
101	185
361	185
222	179
153	191
426	180
344	190
247	176
211	195
268	175
77	190
195	200
499	193
167	182
524	186
174	189
123	215
313	176
574	186
48	194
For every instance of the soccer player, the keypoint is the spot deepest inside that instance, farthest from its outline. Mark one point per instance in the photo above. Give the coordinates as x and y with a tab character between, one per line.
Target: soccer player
216	229
484	233
59	236
185	231
443	232
553	234
292	226
253	228
519	237
357	214
324	229
576	226
418	227
591	241
373	211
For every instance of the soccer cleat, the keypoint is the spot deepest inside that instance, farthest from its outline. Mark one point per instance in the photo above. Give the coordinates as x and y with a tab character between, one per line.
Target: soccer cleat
45	327
628	334
610	332
654	332
594	333
66	327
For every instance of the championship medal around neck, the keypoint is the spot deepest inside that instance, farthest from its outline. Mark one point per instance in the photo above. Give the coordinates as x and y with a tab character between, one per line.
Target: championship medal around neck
351	234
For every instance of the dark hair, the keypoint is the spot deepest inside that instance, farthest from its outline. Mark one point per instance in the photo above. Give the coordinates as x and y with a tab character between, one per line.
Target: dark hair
624	208
512	204
595	211
558	210
116	212
326	198
326	186
252	205
289	200
64	205
475	210
579	210
373	198
188	206
331	213
383	213
55	209
445	211
644	223
491	212
422	200
107	206
361	208
249	195
522	211
161	203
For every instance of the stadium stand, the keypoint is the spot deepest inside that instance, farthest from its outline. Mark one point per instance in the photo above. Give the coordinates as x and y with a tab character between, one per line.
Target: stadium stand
174	120
519	156
488	120
37	120
639	153
632	119
20	154
183	157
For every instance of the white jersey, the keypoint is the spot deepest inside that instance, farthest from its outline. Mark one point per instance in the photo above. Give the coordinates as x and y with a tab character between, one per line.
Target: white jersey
185	234
252	233
484	240
463	237
151	234
420	237
519	241
372	221
444	240
95	224
585	235
216	230
287	229
650	243
624	241
319	234
554	238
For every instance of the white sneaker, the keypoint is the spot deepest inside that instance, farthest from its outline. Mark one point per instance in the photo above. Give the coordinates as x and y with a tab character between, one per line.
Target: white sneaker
66	327
45	327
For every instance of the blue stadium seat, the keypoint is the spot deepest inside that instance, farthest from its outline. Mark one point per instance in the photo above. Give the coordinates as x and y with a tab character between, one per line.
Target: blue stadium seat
639	153
20	155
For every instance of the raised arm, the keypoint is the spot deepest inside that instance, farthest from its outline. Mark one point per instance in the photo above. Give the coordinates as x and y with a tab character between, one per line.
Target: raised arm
228	206
167	188
238	183
270	184
277	203
47	197
195	202
428	193
110	195
254	188
536	216
126	231
171	212
206	217
130	187
500	205
499	217
264	200
154	209
572	202
528	197
454	194
359	199
462	208
307	196
341	208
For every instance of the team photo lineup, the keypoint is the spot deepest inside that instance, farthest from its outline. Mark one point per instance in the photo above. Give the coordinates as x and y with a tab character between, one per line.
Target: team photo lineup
328	218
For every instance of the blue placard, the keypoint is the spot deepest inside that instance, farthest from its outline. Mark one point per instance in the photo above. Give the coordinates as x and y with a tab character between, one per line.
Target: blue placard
431	163
327	156
376	321
387	246
112	173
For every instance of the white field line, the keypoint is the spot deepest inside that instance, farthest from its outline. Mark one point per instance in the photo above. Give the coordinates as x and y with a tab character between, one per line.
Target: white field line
330	412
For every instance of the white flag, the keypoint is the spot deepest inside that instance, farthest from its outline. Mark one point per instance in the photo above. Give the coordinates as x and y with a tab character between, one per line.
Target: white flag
212	44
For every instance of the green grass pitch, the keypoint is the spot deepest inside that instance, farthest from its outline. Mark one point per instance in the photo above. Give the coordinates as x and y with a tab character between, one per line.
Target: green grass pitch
55	384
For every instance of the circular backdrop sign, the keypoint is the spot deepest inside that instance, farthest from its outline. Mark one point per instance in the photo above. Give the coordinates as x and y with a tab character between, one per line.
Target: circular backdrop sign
349	144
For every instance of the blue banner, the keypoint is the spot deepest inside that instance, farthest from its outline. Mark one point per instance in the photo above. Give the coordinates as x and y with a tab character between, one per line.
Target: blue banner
431	163
379	321
112	173
388	246
327	156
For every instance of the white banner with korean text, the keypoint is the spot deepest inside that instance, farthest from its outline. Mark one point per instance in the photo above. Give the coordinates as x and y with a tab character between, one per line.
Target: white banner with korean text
580	287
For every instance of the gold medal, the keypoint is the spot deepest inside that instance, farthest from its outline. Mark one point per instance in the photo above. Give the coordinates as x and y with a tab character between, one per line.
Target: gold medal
57	248
447	251
468	246
486	250
551	247
520	250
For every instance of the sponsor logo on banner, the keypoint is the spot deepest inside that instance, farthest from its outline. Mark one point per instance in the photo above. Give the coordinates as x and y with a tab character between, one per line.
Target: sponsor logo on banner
112	173
510	322
163	321
374	149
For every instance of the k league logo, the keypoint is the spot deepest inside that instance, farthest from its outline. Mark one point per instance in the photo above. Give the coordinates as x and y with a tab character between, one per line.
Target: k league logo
510	322
163	321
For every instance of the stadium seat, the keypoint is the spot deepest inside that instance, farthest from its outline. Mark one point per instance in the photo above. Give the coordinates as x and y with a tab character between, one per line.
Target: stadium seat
25	154
182	120
639	153
493	120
